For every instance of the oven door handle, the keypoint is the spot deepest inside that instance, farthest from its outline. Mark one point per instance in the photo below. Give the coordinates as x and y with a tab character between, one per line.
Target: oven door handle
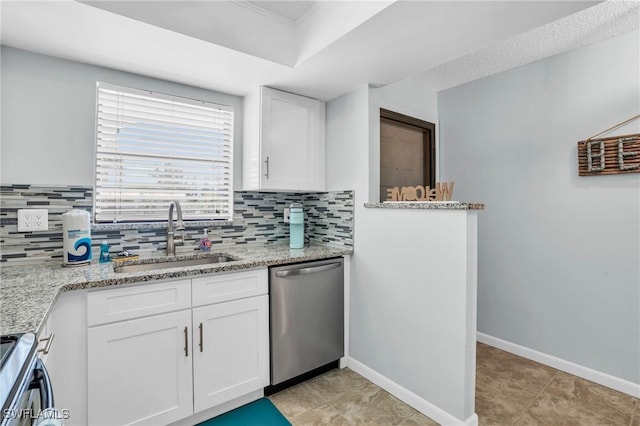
42	382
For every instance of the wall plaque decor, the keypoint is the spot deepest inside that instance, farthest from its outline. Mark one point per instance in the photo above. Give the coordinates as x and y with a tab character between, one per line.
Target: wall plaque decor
610	156
442	192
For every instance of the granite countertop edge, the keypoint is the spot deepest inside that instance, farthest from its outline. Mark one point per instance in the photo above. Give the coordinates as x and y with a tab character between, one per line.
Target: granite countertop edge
29	291
427	205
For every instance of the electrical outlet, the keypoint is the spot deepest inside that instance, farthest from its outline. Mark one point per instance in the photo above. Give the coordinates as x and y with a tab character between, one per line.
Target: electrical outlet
33	220
286	215
40	220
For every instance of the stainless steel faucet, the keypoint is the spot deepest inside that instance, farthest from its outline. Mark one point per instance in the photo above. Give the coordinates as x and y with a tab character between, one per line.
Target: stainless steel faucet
172	239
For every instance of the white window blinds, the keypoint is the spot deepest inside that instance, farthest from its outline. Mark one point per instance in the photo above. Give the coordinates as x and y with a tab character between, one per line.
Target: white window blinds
153	148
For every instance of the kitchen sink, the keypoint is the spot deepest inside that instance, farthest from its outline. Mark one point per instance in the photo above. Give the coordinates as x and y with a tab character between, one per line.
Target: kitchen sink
174	263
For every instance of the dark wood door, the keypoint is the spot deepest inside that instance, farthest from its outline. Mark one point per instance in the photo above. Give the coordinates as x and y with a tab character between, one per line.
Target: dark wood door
405	155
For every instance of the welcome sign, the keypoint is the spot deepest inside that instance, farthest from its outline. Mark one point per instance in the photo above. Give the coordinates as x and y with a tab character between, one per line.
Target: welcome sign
442	192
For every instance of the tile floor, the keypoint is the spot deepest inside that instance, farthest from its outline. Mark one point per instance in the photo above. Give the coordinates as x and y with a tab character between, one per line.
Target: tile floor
510	390
342	397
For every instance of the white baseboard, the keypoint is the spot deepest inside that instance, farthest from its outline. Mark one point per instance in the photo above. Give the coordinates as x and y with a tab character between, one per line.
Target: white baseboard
603	379
425	407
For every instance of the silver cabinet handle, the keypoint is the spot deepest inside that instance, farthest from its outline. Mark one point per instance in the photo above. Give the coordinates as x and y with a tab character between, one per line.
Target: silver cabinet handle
311	270
267	163
200	344
186	341
49	341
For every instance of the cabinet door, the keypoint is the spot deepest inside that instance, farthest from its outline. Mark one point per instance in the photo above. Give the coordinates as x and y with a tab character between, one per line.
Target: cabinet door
232	357
292	142
65	355
139	371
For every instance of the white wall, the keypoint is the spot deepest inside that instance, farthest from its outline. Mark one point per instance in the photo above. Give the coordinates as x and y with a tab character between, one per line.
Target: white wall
48	116
347	135
559	254
409	96
412	314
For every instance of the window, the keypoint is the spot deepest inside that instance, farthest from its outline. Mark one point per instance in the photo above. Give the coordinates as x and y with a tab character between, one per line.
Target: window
153	148
407	152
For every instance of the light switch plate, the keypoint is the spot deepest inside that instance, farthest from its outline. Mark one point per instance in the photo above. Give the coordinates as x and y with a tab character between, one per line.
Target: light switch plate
286	215
33	220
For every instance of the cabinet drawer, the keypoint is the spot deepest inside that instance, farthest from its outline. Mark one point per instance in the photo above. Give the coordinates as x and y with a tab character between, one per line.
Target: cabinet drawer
118	304
225	287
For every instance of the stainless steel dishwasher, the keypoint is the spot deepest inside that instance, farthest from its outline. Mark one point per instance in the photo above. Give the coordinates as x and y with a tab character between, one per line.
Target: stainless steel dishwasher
307	317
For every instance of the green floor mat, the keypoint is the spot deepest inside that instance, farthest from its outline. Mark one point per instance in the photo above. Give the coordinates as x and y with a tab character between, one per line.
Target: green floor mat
259	413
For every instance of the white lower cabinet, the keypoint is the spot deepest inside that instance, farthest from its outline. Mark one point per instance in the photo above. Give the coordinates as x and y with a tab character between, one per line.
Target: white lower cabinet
140	372
231	355
63	350
157	369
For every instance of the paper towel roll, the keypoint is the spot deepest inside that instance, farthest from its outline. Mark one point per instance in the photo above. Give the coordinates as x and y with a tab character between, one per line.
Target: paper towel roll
76	237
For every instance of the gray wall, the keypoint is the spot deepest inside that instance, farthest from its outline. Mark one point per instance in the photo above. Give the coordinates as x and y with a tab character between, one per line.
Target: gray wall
559	255
48	116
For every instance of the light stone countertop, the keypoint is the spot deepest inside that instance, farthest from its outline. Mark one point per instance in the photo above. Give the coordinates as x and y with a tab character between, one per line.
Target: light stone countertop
433	205
27	292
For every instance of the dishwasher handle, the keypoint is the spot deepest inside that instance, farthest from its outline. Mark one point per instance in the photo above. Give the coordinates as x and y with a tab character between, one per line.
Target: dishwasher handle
309	270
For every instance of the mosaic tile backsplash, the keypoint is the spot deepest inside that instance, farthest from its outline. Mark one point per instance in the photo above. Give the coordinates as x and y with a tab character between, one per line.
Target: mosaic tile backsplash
258	219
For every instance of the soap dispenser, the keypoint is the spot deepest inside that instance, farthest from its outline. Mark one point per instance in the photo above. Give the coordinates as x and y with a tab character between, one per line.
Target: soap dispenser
296	226
104	252
205	242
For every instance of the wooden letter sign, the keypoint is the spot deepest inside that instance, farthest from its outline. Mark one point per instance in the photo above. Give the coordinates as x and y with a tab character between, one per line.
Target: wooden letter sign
442	192
609	156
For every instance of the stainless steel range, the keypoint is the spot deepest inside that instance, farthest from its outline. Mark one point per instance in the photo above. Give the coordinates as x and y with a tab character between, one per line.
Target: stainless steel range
25	388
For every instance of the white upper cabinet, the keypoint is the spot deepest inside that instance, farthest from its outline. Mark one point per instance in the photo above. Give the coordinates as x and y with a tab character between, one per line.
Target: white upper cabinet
285	149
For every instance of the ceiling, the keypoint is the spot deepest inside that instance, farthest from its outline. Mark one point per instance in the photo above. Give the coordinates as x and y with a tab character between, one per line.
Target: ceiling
291	11
321	49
